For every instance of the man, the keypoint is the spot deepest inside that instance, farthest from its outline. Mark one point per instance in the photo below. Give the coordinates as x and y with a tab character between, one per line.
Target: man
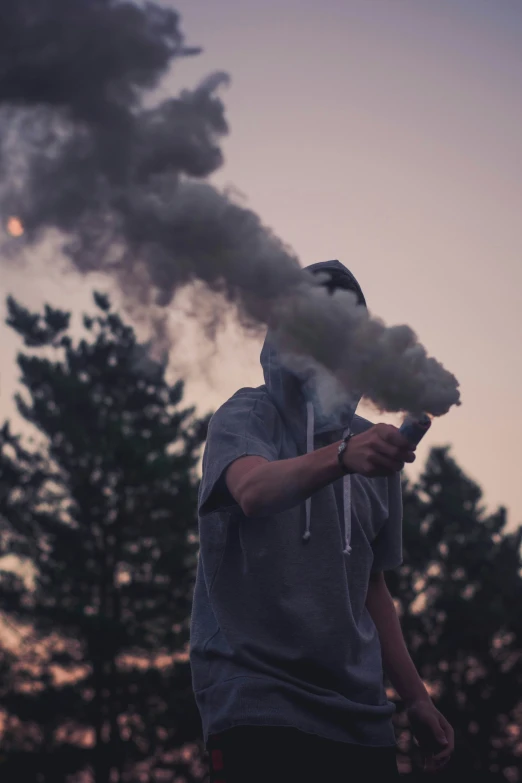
300	514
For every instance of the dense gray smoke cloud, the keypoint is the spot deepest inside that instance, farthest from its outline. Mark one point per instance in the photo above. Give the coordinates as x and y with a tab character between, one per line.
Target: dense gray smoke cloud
124	185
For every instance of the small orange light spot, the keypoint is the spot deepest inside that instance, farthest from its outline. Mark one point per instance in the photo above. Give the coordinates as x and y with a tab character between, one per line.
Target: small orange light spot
15	227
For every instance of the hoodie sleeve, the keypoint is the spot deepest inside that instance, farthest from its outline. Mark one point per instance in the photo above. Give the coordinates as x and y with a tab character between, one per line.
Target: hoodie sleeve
387	547
243	427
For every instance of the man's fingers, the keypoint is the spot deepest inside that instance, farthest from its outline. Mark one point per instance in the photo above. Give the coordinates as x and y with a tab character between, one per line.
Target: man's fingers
446	738
393	436
429	764
441	761
384	464
434	762
394	445
386	455
450	734
434	735
443	754
382	446
383	449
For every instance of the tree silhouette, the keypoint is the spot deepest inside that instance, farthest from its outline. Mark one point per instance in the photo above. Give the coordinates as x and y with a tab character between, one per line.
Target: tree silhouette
101	517
460	595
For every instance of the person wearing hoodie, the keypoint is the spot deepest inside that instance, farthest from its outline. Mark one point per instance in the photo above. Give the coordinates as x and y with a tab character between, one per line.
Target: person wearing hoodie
293	627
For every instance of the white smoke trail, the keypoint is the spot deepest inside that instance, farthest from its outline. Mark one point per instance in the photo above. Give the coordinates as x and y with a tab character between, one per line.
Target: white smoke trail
124	185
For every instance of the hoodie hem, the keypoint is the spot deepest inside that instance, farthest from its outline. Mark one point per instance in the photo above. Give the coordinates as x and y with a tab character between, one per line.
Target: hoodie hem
258	701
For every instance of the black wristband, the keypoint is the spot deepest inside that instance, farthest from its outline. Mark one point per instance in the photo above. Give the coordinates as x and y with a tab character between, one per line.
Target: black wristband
340	452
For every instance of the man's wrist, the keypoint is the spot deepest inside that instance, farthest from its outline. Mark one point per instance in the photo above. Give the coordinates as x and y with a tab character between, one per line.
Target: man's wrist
342	454
411	701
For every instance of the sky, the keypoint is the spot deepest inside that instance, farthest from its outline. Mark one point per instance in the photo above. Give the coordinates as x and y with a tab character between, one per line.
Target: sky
387	134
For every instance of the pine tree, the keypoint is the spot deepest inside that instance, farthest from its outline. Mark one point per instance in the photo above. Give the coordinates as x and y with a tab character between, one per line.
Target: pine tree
102	513
460	595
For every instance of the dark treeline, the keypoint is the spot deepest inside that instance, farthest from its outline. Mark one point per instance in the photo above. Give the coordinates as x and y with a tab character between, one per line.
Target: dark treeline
99	549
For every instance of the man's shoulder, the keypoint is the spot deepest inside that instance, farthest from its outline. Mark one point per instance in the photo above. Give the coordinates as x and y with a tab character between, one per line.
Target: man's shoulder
247	396
244	401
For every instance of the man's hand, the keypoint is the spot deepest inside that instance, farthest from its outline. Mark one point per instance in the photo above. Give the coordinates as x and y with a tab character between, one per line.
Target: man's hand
380	451
433	733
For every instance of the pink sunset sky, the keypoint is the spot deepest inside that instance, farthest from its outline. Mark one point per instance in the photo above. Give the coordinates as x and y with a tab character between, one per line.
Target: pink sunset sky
387	134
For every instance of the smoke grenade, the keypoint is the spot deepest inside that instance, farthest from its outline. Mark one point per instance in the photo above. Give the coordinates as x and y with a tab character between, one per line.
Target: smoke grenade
86	155
414	429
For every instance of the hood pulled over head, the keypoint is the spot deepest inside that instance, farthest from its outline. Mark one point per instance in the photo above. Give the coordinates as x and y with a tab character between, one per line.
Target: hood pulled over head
292	390
336	275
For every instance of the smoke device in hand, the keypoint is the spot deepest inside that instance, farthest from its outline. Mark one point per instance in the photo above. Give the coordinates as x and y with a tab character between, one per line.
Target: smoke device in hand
414	429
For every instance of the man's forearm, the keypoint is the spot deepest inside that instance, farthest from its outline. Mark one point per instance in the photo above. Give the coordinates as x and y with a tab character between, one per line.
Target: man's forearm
397	663
261	487
275	486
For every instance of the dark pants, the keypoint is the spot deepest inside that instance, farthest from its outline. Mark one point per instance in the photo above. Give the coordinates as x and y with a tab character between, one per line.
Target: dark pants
250	754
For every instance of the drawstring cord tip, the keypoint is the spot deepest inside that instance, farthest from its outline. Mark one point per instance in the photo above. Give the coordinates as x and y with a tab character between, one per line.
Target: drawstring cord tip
307	536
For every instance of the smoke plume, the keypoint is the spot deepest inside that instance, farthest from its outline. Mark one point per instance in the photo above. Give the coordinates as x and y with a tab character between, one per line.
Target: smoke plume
83	153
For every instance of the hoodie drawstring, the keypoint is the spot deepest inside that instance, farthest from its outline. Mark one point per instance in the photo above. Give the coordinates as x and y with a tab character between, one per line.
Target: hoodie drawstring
310	425
347	506
347	486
